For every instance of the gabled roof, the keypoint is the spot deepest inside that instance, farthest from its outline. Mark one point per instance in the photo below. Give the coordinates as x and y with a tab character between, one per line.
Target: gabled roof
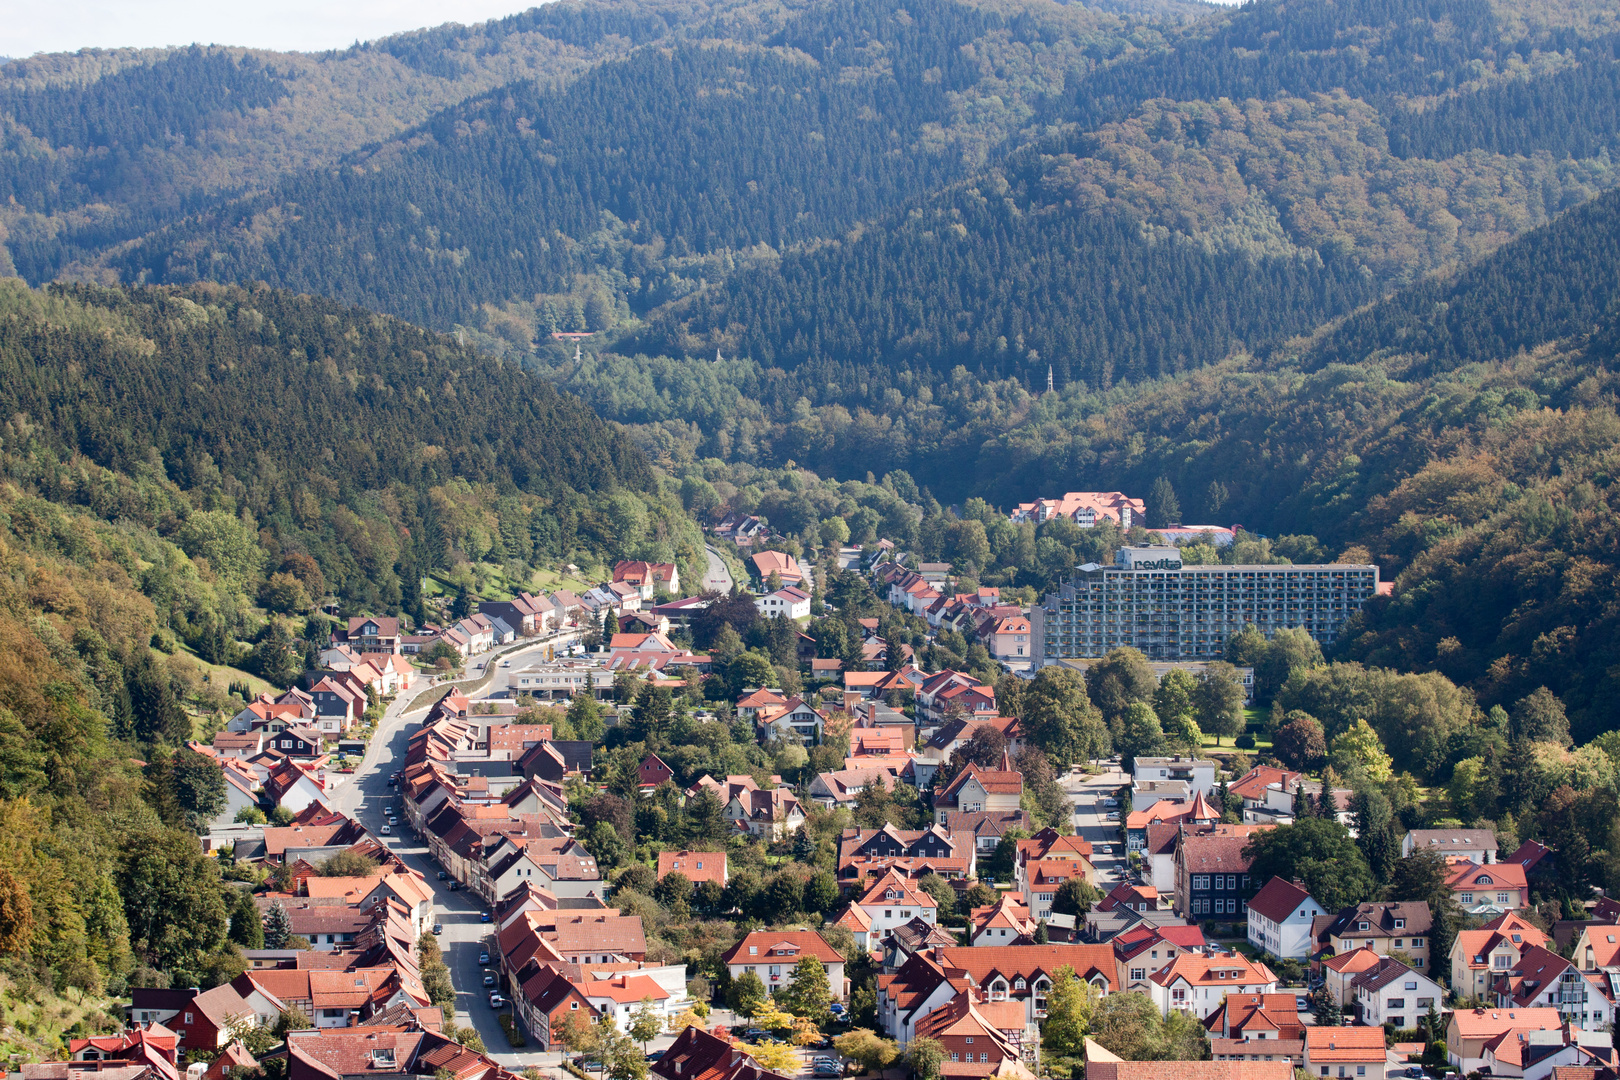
985	962
995	782
1344	1045
892	889
783	947
1277	900
1468	875
698	1055
1218	970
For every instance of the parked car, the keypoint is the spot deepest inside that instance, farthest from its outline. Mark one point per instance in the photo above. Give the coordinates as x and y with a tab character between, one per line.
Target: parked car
483	956
1113	815
484	916
1302	1004
827	1069
495	1000
454	884
588	1064
836	1008
654	1055
386	830
444	875
438	928
1110	802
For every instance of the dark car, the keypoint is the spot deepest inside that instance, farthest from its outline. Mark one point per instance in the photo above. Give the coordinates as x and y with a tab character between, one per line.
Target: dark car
438	928
588	1064
827	1068
443	875
655	1055
454	885
483	916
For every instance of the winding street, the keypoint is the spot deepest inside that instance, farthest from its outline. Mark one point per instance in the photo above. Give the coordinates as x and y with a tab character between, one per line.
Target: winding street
716	577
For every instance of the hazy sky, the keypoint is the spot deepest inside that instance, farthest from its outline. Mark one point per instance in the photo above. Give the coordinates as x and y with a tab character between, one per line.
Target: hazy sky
31	26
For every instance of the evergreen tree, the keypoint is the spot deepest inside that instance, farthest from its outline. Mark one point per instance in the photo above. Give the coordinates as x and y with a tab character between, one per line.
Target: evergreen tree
277	926
1163	508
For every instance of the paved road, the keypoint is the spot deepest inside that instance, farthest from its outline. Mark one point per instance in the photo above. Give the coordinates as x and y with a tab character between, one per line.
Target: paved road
367	797
716	577
1091	821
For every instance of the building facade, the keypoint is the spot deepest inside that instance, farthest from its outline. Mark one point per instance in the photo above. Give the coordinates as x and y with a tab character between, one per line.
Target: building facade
1149	601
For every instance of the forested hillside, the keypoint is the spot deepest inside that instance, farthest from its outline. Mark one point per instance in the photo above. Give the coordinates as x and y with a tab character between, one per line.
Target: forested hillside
1462	435
101	146
307	435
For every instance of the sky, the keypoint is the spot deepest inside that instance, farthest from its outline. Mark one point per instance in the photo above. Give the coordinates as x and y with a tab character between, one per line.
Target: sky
32	26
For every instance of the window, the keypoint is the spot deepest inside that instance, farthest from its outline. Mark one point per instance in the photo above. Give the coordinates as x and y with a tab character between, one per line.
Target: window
1400	924
1417	943
1019	985
953	1055
969	1040
1200	881
1178	995
984	1055
1466	898
1501	898
1138	974
1410	985
1397	1003
1361	926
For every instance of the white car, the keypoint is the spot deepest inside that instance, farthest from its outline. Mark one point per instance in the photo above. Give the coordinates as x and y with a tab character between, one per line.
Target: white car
386	830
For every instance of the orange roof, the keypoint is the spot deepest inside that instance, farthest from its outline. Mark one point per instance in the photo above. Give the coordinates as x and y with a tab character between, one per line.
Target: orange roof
625	988
1485	1023
697	866
1356	960
1344	1044
1221	969
1011	961
784	947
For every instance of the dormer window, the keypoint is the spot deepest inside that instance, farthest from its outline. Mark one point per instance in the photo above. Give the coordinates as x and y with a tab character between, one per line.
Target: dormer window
1019	985
1362	925
383	1058
1400	924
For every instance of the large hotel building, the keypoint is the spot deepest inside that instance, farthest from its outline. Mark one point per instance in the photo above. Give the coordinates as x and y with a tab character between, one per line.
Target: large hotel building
1149	601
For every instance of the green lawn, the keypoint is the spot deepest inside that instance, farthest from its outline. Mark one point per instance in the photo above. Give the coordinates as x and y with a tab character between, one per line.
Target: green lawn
222	676
499	587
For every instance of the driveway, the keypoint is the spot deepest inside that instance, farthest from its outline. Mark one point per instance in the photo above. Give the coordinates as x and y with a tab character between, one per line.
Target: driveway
716	577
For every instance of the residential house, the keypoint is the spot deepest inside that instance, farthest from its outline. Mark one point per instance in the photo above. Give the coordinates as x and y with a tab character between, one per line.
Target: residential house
1008	640
1146	794
1488	888
698	1055
696	866
366	634
1084	508
1211	871
1197	773
970	1035
200	1019
975	789
653	771
1469	1031
1195	811
773	812
545	1001
1131	896
1391	994
1198	983
773	954
1478	957
761	565
794	720
648	578
620	995
1398	926
947	692
916	936
1475	845
1145	948
1356	1052
1023	973
1280	918
1340	972
1257	1027
863	852
790	601
1006	922
894	900
1543	979
1068	856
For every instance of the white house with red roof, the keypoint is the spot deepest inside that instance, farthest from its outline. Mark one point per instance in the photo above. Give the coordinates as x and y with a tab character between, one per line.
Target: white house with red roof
1491	888
975	789
1351	1052
1280	916
773	954
1391	993
789	600
621	994
1479	956
894	900
648	578
1005	922
1198	983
